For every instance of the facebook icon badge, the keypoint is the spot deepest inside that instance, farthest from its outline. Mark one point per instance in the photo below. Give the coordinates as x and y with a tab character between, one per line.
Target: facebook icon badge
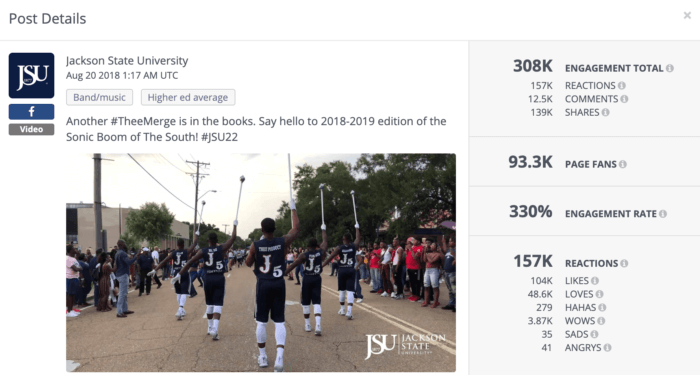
31	112
31	75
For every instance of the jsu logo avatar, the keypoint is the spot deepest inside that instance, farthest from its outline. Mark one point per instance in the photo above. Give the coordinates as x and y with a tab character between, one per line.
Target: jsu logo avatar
31	75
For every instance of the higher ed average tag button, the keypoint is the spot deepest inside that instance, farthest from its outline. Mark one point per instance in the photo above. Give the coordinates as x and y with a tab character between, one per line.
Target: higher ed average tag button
31	129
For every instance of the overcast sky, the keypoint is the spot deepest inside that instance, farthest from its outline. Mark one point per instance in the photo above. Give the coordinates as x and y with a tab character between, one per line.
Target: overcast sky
125	183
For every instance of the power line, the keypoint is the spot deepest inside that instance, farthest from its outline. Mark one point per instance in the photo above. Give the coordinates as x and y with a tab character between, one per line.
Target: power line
254	173
156	180
184	161
198	177
166	159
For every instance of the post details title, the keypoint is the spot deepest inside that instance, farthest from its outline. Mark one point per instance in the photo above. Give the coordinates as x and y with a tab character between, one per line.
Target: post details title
46	18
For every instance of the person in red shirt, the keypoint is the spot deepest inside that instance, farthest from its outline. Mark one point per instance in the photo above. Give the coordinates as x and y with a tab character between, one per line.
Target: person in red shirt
374	269
413	260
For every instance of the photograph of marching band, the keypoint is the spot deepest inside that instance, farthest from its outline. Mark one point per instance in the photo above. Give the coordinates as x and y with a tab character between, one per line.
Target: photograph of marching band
276	262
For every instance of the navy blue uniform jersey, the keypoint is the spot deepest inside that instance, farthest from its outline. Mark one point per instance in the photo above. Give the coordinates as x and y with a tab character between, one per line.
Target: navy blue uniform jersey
214	261
271	288
269	259
348	256
313	263
311	282
179	257
214	280
346	267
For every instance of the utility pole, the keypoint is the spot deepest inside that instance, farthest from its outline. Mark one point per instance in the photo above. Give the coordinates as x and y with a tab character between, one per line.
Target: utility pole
225	228
196	191
97	204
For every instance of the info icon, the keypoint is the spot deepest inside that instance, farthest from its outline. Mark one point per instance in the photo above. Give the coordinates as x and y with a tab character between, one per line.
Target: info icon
31	75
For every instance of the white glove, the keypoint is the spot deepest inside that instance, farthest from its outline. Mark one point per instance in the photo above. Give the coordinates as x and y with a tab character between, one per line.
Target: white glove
235	223
197	233
357	225
175	279
292	205
323	227
153	272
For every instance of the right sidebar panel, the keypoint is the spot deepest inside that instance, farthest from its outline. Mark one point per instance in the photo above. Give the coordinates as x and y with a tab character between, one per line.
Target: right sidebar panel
584	192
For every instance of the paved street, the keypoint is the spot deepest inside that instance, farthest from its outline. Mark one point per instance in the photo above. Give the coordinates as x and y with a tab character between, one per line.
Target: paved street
152	339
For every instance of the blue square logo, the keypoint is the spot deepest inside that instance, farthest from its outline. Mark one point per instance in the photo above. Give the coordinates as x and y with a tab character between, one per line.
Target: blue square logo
31	112
31	75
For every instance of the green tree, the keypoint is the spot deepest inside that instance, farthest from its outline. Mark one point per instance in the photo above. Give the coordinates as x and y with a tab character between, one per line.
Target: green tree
203	228
238	243
421	186
130	240
255	235
339	182
150	222
204	237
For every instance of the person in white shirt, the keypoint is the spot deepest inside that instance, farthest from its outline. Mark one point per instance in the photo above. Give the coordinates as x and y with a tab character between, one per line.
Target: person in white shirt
397	269
386	269
231	258
155	255
156	259
239	257
290	260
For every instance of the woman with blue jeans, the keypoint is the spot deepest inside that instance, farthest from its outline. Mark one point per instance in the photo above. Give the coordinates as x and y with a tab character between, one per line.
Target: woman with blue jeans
300	269
450	272
334	268
193	277
376	279
363	272
374	270
358	288
123	262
